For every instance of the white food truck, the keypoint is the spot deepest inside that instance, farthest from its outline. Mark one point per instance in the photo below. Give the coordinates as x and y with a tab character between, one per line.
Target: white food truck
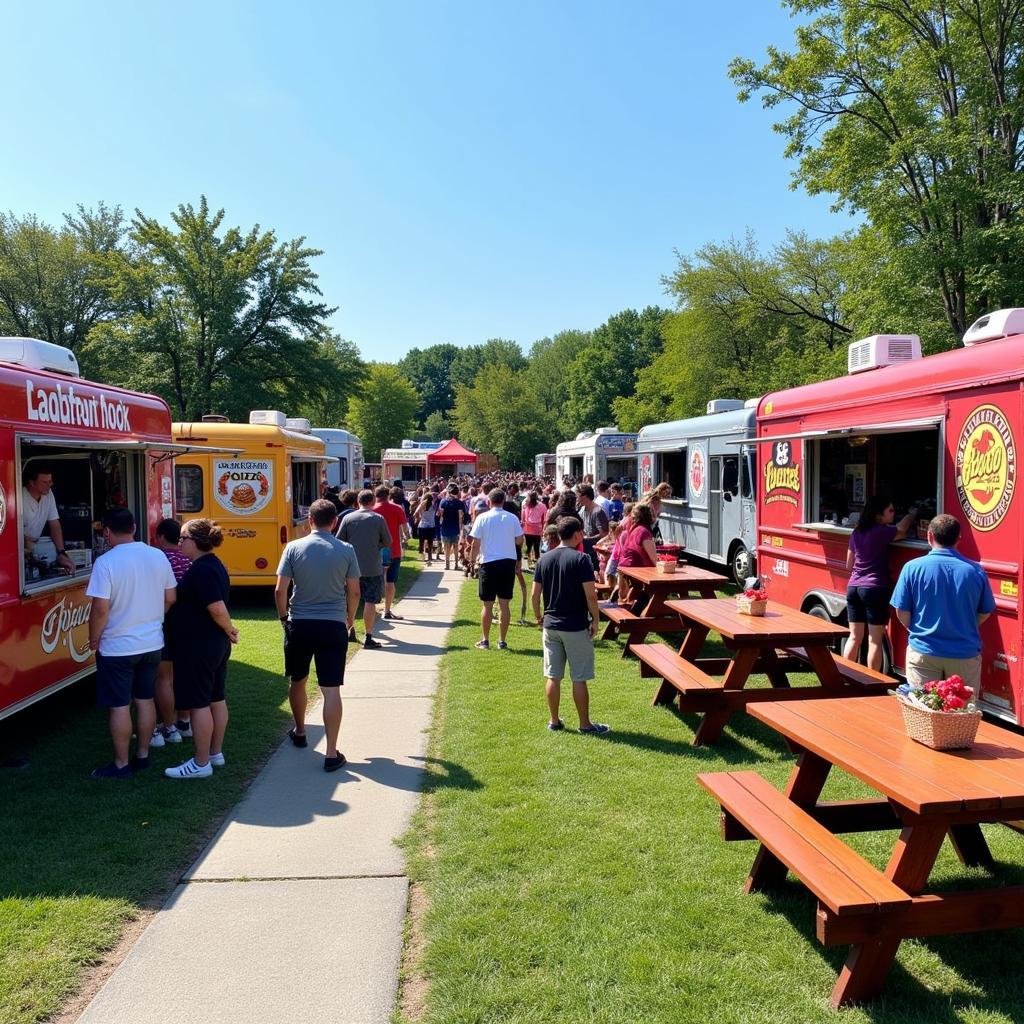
605	454
348	450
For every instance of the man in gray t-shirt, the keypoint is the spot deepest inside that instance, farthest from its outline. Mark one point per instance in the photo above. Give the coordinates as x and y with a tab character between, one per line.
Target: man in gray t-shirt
324	576
368	533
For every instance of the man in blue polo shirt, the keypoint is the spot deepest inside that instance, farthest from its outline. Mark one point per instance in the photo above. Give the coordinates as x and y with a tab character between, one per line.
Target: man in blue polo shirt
942	599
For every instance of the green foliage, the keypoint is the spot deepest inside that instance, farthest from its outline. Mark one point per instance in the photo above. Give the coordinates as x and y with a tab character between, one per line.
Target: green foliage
473	358
439	426
430	372
549	360
384	410
912	112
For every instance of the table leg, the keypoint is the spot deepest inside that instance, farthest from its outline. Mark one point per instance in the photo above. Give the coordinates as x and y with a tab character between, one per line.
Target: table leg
806	782
911	863
735	678
696	634
824	666
970	845
770	667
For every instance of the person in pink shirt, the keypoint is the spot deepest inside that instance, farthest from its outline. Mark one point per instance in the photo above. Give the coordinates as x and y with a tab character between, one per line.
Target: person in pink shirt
636	543
532	516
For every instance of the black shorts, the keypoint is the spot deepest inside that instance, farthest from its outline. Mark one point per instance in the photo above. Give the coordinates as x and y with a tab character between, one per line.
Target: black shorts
317	640
200	676
533	545
120	679
427	532
497	579
868	604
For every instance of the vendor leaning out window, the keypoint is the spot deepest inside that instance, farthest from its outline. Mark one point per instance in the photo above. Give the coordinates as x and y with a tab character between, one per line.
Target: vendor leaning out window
867	595
39	509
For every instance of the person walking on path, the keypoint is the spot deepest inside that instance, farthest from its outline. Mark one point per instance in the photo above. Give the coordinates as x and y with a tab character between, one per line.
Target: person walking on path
205	634
495	534
452	514
426	524
324	574
564	577
368	534
131	587
942	599
395	516
532	517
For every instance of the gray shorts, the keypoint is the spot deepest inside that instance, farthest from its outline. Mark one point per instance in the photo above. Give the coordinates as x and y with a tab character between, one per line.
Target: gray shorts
576	647
371	588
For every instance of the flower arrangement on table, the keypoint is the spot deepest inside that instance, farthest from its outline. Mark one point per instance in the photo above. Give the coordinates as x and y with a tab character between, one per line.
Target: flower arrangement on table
754	598
666	564
940	714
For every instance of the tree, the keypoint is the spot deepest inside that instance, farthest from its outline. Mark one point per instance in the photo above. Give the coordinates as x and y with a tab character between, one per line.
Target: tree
911	111
383	413
500	413
51	283
211	316
438	427
495	352
429	370
549	360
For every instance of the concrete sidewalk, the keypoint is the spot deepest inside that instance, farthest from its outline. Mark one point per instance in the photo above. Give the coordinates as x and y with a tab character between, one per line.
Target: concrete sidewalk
295	910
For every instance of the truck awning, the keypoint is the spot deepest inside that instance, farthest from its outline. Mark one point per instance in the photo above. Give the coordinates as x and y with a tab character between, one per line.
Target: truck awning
901	427
169	447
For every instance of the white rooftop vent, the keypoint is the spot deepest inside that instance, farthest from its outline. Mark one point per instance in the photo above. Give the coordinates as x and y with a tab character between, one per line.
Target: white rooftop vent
724	405
214	417
607	430
1000	324
268	418
584	434
751	403
882	350
39	355
299	423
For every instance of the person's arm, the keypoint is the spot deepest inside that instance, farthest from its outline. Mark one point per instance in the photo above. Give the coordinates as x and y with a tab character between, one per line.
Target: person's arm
220	614
474	549
903	614
352	599
281	596
170	596
99	612
535	593
651	550
850	556
595	613
982	616
57	535
904	526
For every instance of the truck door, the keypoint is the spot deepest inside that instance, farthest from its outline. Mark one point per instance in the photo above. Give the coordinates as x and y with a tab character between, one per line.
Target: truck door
715	509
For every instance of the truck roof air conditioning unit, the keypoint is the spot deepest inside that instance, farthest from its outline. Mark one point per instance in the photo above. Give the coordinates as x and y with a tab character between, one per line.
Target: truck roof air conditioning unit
607	430
268	417
1000	324
39	355
584	434
299	423
723	405
215	417
882	350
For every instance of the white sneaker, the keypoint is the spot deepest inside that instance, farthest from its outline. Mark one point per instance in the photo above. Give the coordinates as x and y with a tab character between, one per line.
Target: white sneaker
185	734
217	760
157	739
171	734
189	770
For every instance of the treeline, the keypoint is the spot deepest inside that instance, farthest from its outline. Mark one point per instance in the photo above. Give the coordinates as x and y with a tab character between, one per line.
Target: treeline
909	114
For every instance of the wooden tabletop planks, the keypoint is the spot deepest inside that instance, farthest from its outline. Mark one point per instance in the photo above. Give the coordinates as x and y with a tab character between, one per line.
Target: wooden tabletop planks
647	575
786	627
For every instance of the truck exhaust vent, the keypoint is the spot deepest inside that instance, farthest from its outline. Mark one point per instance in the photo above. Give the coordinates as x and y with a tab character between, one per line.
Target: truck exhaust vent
39	355
882	350
299	423
215	417
1000	324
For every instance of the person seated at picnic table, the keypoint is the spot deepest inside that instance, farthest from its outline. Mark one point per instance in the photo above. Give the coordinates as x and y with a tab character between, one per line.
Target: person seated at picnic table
637	547
867	593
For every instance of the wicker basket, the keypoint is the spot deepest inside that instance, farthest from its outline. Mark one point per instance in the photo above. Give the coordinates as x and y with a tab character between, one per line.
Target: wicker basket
666	568
751	605
940	730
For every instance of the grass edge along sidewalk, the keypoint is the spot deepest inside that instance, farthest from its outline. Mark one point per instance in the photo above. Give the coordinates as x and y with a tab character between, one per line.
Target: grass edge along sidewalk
562	878
80	858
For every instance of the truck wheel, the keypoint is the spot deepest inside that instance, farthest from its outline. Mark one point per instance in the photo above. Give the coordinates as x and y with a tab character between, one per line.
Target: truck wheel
819	611
741	564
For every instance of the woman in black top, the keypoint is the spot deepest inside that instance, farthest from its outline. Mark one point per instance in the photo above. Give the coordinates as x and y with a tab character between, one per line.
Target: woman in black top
201	662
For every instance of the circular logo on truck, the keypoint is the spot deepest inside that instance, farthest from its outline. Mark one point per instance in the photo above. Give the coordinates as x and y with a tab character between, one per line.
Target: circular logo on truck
243	486
986	467
3	509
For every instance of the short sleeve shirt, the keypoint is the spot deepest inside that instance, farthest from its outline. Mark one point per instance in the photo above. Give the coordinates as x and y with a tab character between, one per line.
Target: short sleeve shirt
205	583
368	533
561	573
631	549
497	531
36	514
871	555
451	509
319	566
394	515
595	521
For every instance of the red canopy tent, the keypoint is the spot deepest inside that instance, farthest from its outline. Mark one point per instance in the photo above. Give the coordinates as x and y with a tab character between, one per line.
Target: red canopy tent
451	457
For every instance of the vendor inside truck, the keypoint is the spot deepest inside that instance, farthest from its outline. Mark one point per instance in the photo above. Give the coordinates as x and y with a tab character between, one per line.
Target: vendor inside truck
39	512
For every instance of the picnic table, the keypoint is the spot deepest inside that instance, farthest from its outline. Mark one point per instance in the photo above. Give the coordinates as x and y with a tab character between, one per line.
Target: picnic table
756	642
925	795
648	613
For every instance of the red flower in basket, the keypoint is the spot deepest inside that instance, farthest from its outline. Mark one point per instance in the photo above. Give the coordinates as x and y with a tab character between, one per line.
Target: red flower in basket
953	703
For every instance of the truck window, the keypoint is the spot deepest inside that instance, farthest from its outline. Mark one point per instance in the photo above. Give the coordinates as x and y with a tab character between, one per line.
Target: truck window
343	472
305	487
670	467
747	486
731	475
188	488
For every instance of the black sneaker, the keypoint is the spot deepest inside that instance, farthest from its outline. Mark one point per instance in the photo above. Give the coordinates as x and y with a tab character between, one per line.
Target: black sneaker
332	764
352	638
370	644
140	764
299	741
111	771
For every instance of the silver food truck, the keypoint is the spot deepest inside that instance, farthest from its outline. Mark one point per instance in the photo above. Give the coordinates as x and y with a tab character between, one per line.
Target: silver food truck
348	450
712	475
605	454
544	464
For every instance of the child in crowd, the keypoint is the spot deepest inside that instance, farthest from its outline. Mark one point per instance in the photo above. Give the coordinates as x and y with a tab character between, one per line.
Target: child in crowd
608	566
616	509
550	539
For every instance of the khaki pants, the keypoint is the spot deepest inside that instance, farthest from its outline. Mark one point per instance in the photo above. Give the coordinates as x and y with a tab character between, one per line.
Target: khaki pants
922	668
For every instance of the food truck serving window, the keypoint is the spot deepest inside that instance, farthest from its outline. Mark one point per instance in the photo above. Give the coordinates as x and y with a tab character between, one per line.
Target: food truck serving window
188	488
670	467
901	465
305	487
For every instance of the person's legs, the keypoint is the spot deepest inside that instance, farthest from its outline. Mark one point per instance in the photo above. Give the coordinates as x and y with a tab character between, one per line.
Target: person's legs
876	634
219	713
165	694
332	712
145	723
202	735
121	733
298	700
369	617
486	617
851	649
504	615
581	698
553	691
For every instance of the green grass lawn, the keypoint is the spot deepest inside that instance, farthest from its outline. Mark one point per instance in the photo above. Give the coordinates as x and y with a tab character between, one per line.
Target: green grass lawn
79	857
574	878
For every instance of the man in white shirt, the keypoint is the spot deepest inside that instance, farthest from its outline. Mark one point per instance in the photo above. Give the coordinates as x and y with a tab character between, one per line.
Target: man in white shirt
604	497
131	587
39	509
494	536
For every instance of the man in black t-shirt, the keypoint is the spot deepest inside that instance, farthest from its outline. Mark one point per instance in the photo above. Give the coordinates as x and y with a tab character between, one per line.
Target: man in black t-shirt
565	579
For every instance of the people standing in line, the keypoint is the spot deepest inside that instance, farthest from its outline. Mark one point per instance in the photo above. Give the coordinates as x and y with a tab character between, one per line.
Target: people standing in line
495	534
565	579
868	589
532	517
346	504
369	535
452	513
942	599
131	586
425	515
603	499
389	506
206	633
565	505
172	726
594	519
616	503
324	575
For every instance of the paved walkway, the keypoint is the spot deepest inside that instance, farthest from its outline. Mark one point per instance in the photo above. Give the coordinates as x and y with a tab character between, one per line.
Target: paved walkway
295	910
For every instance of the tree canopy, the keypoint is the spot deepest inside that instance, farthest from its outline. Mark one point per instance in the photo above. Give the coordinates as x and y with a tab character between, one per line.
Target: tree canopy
384	410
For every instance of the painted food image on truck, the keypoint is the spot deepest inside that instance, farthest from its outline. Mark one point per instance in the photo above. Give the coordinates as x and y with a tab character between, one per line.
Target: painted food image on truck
243	486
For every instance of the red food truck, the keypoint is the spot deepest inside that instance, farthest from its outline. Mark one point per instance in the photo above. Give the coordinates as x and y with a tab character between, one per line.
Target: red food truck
103	446
938	434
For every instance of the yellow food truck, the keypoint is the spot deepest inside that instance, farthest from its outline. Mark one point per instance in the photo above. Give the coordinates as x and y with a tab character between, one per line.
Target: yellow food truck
260	496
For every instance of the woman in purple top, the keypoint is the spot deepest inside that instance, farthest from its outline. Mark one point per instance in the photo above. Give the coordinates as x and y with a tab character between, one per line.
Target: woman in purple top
867	594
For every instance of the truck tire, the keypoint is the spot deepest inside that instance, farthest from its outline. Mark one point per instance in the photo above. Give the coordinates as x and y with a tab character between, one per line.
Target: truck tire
741	564
819	611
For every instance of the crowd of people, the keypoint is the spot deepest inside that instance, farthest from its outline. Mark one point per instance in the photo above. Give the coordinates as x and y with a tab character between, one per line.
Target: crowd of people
161	626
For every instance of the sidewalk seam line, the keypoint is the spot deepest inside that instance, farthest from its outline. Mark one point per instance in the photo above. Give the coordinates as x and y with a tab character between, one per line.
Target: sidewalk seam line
291	878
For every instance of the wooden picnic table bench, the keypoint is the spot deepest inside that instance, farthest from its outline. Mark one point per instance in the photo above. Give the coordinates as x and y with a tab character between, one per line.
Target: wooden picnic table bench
756	642
649	613
925	796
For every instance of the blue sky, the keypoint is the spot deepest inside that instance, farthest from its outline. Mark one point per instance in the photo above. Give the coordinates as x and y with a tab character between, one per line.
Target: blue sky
471	170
